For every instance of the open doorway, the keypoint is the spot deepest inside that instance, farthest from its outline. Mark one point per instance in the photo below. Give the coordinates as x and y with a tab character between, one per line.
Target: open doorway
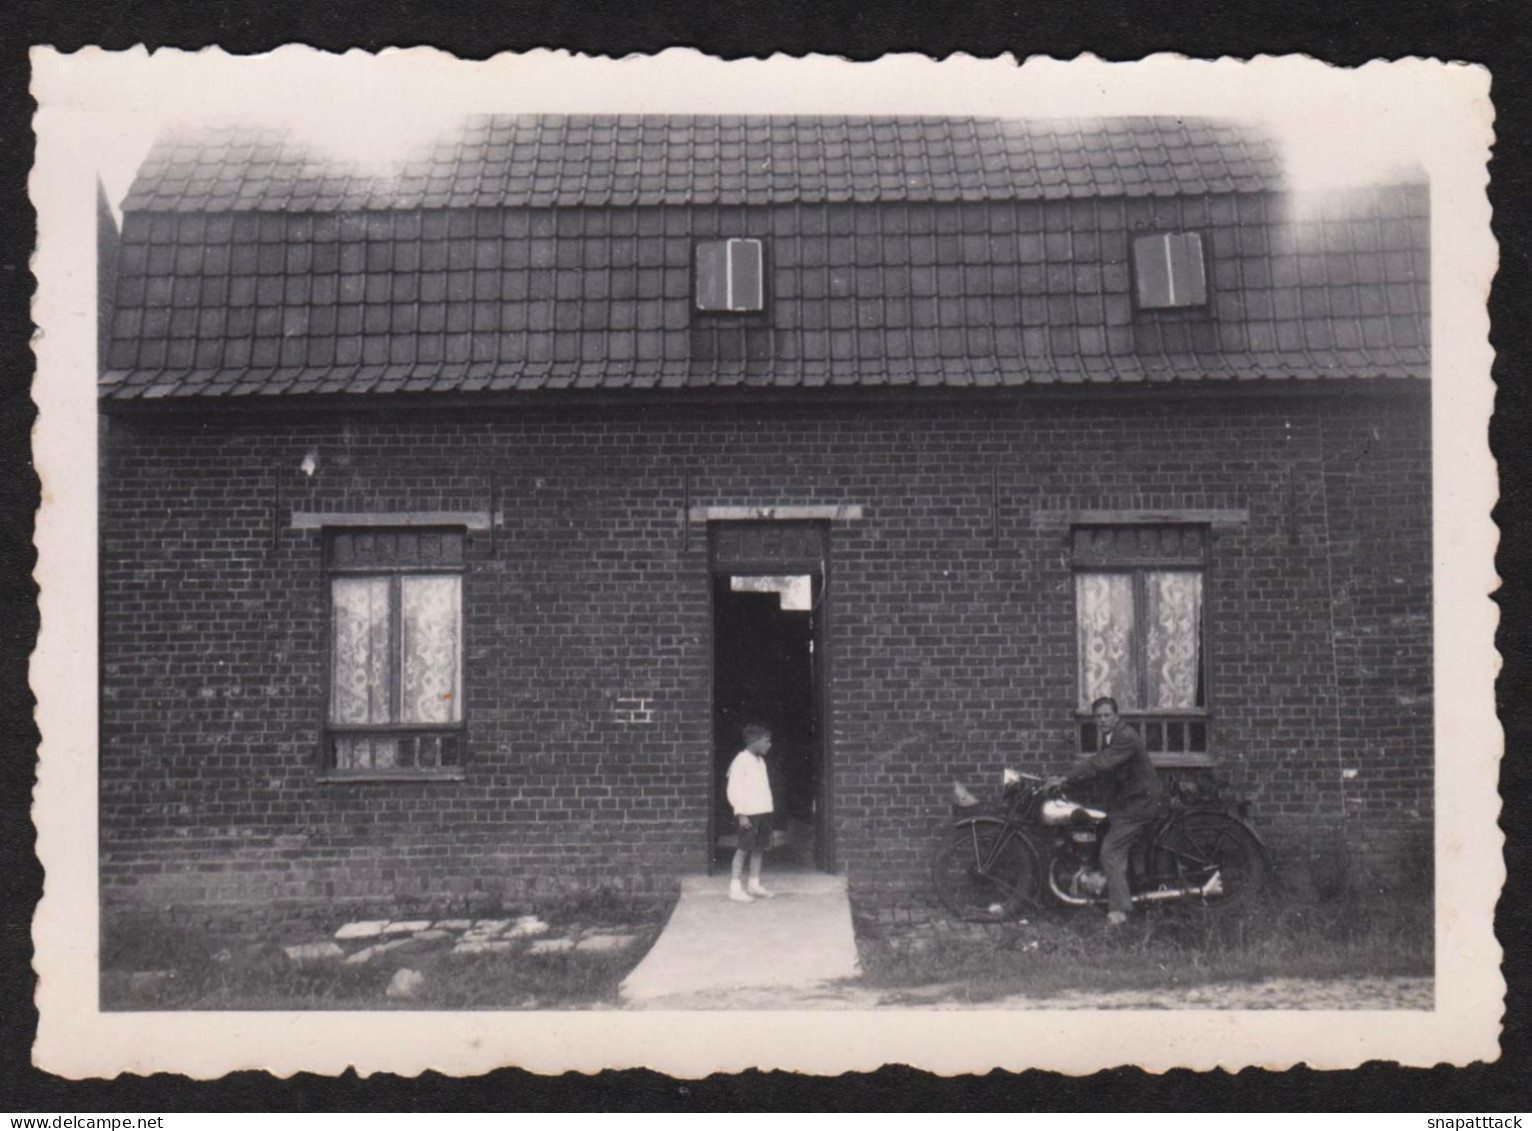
767	654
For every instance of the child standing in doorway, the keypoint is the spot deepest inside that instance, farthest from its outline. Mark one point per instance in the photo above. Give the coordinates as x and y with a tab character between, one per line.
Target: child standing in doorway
750	797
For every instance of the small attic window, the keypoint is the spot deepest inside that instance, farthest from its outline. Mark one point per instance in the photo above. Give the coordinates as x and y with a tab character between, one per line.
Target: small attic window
729	275
1170	271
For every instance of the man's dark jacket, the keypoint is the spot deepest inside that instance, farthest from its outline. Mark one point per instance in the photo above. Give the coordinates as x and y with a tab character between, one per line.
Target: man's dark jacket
1125	763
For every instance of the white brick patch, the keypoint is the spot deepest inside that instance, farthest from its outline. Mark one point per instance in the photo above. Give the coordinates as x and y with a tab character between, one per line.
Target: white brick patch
633	710
370	929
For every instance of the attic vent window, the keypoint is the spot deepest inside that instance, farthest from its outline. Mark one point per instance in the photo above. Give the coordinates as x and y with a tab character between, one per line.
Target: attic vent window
1170	271
729	275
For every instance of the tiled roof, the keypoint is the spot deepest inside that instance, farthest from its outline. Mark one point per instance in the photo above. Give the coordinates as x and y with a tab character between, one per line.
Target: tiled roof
558	161
961	293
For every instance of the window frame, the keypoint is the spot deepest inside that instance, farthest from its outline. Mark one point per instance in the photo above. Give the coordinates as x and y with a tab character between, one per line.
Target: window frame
1147	719
1204	245
329	771
728	310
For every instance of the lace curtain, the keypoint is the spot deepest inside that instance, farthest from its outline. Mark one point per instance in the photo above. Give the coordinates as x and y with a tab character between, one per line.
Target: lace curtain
363	659
1173	618
1169	657
1107	663
428	657
432	626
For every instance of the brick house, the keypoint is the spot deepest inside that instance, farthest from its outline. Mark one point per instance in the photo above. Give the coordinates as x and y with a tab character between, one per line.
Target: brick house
454	517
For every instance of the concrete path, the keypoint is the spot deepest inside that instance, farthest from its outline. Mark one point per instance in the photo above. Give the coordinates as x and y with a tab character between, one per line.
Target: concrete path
716	954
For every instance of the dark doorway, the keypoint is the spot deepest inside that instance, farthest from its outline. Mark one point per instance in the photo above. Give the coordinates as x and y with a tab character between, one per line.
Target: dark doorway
766	660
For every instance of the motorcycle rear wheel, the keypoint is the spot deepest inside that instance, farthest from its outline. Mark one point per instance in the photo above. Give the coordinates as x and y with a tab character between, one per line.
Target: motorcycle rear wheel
986	870
1200	845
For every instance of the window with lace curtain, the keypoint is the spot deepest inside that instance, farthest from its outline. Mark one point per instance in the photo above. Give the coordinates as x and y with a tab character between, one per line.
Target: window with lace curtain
396	652
1139	603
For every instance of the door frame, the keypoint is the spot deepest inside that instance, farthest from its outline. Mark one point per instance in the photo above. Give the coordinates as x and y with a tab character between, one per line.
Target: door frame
818	566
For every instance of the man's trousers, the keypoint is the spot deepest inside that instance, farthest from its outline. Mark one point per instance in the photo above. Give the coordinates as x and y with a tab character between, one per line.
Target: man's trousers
1124	829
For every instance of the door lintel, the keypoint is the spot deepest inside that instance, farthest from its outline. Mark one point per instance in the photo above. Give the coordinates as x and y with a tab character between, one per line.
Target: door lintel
835	512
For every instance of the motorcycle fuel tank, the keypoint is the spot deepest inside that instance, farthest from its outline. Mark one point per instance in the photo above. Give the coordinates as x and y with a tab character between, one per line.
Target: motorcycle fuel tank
1061	811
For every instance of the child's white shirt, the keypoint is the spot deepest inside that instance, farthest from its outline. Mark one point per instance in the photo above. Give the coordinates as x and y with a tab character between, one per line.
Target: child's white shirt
749	785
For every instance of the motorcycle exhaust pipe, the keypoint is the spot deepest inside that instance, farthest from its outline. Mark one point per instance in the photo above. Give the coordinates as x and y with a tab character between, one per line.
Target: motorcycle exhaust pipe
1213	887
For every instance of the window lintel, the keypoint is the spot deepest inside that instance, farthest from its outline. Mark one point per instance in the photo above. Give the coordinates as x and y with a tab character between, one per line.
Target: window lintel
320	520
350	777
1216	518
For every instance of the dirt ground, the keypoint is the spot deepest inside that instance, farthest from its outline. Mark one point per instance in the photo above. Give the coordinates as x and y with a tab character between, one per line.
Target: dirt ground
1279	993
1282	993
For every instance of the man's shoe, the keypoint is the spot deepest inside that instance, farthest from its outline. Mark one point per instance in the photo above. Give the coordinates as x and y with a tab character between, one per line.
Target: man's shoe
759	892
737	893
1116	918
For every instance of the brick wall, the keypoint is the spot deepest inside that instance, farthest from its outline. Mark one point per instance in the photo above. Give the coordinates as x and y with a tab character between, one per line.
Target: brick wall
951	633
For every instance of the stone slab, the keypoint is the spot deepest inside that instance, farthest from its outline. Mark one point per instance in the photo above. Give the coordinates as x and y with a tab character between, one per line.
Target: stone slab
527	926
492	947
368	929
550	946
405	983
604	942
310	952
407	926
369	952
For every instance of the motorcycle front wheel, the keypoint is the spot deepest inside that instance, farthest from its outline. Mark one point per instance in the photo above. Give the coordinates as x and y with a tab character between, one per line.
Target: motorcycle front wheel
986	870
1212	851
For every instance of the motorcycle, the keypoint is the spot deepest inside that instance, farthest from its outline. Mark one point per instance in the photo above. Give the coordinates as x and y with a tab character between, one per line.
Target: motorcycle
997	860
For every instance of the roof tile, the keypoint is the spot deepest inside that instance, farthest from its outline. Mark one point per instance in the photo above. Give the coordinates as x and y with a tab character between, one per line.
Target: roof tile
978	293
547	161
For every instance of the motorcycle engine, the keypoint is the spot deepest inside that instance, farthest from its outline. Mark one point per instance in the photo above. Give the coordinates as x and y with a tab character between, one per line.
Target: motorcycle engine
1086	883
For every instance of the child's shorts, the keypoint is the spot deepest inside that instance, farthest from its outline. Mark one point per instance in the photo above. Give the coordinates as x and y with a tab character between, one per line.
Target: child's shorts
757	838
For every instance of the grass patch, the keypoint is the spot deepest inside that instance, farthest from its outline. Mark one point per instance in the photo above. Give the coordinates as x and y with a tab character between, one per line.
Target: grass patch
1170	949
266	979
153	969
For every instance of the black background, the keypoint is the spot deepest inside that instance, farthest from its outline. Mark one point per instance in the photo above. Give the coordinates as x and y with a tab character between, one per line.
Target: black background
1497	34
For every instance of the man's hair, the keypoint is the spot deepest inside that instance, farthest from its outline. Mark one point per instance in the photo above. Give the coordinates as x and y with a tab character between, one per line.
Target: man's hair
1105	701
753	731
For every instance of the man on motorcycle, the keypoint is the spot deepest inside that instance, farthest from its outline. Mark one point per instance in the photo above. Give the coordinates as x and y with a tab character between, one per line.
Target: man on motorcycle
1135	803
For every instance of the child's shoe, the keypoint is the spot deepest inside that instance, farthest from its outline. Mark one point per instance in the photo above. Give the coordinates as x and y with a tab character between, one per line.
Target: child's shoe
737	892
759	892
